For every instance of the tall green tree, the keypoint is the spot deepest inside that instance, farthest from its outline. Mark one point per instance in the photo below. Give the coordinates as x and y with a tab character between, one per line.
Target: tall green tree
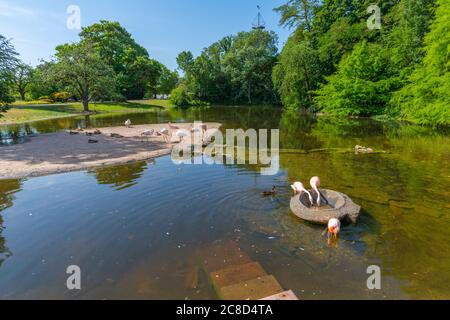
297	72
22	78
130	61
236	69
81	70
426	97
8	60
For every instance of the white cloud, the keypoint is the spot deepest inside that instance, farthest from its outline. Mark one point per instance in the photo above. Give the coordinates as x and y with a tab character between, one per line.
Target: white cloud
10	10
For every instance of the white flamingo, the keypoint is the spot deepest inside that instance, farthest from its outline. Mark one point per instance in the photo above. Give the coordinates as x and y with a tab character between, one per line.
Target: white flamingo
148	134
181	134
315	184
299	188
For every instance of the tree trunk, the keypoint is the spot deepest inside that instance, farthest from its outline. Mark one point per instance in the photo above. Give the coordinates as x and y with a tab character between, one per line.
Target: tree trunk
22	95
86	105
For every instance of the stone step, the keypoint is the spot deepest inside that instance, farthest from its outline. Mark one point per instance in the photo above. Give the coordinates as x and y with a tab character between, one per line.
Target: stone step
237	274
223	255
254	289
286	295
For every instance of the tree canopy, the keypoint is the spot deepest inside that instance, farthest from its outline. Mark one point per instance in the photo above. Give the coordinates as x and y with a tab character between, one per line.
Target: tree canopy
80	69
236	69
335	63
8	60
129	60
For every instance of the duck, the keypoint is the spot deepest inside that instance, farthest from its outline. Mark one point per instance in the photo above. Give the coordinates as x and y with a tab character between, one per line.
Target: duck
269	193
299	188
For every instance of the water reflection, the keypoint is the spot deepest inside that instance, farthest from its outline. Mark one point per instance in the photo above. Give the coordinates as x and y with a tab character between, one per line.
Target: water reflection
7	190
120	177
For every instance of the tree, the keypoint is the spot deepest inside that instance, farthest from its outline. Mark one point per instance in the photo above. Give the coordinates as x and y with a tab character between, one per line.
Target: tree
22	78
43	84
426	97
297	73
8	59
130	61
298	13
249	64
167	81
185	61
236	69
362	85
83	72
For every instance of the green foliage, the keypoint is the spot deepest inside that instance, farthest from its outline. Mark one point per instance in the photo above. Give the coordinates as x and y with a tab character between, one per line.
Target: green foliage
236	69
426	97
297	73
361	86
22	78
130	61
41	82
334	63
81	70
167	81
8	60
181	97
61	96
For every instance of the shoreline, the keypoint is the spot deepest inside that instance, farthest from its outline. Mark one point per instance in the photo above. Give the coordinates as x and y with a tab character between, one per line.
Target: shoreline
62	152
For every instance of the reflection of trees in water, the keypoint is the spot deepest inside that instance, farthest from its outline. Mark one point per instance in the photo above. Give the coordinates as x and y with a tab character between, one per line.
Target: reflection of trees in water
121	176
7	189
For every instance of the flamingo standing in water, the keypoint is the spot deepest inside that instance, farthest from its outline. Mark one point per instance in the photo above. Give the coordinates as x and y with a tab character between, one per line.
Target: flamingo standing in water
334	228
299	188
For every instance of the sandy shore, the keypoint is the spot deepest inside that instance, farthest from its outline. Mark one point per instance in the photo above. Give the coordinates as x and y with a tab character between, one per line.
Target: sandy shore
62	152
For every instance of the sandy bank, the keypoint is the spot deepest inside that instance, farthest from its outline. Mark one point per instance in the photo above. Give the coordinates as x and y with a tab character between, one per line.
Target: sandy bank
62	152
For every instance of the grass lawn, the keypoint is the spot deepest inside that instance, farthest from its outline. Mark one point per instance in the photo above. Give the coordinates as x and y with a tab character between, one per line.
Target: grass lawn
32	111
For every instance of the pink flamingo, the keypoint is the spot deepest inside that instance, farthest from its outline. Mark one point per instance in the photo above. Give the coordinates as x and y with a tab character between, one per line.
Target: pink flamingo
299	188
315	184
334	228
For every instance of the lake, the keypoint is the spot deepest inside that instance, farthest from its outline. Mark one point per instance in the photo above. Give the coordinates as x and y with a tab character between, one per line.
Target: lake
140	230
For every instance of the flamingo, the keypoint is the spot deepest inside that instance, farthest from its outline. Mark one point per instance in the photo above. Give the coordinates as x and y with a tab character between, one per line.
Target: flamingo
334	227
181	134
148	133
299	188
315	184
172	127
165	133
128	123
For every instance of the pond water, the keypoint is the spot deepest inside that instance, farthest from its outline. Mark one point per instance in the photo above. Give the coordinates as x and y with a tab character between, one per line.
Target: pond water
138	230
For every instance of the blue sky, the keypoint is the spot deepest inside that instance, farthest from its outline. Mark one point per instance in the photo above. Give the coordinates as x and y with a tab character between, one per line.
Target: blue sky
163	27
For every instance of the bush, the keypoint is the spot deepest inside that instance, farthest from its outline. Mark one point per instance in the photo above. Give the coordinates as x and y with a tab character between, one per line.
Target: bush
60	96
180	96
46	99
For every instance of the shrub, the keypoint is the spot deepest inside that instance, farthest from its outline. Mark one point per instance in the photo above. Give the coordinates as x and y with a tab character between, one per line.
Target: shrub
180	96
60	96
